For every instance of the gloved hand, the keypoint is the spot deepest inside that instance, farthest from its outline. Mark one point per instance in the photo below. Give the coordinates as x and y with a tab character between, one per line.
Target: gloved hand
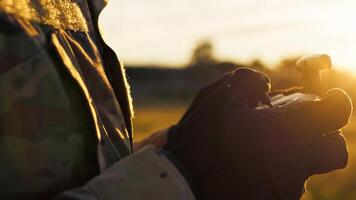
231	150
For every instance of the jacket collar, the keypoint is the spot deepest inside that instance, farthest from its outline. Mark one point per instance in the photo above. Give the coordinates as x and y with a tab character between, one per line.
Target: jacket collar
60	14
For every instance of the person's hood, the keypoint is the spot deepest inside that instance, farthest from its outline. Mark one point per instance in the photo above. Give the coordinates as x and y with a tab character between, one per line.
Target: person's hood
97	6
66	14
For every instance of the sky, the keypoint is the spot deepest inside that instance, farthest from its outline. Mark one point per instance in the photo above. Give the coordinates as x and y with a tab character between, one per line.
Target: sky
165	31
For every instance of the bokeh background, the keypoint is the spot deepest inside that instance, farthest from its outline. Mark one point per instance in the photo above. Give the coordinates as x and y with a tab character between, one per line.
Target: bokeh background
174	47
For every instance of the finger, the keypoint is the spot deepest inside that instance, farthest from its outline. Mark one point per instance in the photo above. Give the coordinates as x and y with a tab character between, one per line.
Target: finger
309	119
251	86
266	101
329	152
204	93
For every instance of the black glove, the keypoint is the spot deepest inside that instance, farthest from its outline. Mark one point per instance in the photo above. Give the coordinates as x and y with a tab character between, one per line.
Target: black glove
233	151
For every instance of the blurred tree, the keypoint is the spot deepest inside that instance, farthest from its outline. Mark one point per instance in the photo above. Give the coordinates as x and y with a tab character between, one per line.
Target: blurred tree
288	63
203	54
286	74
257	64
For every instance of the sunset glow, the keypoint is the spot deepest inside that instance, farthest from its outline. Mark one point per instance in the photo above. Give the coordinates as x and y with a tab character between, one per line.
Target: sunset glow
164	32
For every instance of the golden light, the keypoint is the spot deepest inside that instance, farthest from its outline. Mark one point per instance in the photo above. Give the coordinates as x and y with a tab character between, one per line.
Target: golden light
165	31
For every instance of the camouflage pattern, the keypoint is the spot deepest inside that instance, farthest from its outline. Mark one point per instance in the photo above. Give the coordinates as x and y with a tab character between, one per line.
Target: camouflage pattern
63	98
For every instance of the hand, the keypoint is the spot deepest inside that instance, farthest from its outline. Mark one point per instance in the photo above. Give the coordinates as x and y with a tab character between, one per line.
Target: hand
157	139
233	151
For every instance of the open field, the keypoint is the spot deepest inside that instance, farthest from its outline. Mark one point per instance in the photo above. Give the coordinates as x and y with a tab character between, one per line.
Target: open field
339	185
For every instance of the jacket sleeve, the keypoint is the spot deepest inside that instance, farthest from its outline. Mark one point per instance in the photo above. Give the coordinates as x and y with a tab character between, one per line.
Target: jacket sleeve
146	174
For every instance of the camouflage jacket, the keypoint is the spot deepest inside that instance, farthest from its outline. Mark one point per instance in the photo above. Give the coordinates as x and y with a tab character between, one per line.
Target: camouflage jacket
65	109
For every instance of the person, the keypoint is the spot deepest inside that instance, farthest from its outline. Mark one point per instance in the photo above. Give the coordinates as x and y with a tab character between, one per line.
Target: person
234	149
66	131
65	111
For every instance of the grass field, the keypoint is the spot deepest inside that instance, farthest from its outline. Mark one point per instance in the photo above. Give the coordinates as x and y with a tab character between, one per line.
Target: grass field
338	185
